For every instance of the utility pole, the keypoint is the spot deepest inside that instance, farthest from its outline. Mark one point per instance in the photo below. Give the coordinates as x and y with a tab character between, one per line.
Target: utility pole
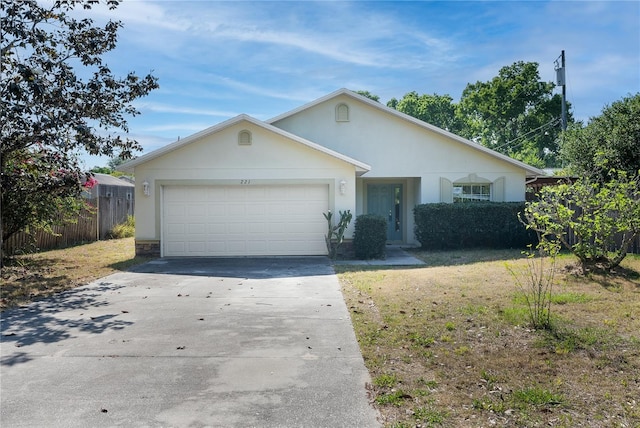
561	81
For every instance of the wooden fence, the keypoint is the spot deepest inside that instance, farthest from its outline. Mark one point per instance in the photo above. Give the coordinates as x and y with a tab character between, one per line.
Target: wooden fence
113	209
93	224
634	247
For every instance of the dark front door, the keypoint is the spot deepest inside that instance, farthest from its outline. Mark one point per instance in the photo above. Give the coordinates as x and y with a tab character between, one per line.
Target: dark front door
386	200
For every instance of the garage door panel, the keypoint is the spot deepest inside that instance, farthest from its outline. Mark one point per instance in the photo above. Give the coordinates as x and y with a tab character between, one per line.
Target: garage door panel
236	228
257	247
175	247
236	247
196	230
260	193
176	229
256	209
175	209
257	229
216	210
244	220
235	209
197	247
215	193
237	194
214	229
196	210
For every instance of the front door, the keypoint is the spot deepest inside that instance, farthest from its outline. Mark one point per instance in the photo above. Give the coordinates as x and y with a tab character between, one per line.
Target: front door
386	200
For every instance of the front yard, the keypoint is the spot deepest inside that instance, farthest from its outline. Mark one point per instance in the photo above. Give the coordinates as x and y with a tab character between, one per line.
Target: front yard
448	344
31	276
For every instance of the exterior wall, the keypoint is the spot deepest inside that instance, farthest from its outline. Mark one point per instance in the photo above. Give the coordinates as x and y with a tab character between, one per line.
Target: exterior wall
403	152
218	159
395	147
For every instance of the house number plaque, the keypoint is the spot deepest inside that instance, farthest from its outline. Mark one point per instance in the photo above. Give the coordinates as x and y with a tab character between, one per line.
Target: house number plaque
245	182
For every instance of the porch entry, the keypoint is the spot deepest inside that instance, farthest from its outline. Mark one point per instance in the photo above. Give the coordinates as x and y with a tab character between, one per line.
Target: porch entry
386	200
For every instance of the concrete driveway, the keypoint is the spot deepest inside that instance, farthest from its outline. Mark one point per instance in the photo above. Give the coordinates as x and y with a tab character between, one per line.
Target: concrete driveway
188	343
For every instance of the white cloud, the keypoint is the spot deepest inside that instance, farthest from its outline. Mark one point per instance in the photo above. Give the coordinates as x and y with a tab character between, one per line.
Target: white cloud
169	108
181	129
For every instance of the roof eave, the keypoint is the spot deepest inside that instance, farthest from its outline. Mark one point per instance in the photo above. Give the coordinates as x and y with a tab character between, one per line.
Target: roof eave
130	165
529	170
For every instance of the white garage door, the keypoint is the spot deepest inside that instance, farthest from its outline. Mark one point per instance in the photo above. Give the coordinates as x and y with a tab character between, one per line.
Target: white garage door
244	220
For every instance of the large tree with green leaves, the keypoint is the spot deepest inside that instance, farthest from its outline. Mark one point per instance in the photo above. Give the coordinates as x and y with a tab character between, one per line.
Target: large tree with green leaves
58	99
515	113
609	141
438	110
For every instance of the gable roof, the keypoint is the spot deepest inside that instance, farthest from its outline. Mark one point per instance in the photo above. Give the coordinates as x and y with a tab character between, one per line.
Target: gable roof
110	180
530	170
361	167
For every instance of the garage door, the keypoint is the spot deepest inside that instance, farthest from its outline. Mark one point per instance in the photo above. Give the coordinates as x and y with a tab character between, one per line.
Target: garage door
244	220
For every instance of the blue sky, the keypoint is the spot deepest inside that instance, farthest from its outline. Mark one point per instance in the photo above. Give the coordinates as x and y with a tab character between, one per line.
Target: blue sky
215	60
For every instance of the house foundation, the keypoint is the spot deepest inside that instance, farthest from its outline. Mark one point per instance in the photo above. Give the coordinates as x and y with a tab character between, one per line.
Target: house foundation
147	248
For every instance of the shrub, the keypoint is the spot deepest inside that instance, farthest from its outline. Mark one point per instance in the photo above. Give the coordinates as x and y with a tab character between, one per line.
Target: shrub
536	282
444	226
124	230
370	236
596	221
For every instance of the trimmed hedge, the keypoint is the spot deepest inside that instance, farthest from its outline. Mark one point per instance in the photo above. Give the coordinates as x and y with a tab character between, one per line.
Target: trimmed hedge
444	226
370	236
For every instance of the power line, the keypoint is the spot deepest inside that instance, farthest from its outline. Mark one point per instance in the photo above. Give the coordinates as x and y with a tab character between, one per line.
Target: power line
552	122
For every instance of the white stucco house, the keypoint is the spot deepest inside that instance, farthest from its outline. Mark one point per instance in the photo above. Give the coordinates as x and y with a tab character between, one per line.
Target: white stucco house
247	187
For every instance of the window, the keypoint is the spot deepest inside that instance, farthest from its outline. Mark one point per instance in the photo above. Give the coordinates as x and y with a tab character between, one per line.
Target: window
471	192
244	138
342	113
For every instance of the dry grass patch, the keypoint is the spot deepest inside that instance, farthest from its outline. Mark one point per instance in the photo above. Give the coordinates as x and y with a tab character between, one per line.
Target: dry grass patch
448	344
31	276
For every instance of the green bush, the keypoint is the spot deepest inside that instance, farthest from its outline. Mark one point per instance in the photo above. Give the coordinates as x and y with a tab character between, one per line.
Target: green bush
370	236
445	226
124	230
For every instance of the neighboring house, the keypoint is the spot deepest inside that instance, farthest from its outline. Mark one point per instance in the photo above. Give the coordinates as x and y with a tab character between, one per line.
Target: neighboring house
247	187
114	199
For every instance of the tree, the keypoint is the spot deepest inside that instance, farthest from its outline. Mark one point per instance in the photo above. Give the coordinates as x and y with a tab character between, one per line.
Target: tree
55	190
115	162
609	141
110	168
603	218
438	110
58	98
369	95
514	113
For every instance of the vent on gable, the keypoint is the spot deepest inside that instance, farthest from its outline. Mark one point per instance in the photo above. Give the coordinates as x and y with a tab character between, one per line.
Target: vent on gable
342	113
244	138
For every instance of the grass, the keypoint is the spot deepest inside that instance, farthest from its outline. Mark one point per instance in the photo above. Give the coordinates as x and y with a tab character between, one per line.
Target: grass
448	344
32	276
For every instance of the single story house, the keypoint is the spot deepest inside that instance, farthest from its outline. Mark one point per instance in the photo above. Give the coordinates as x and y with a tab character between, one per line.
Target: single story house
247	187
